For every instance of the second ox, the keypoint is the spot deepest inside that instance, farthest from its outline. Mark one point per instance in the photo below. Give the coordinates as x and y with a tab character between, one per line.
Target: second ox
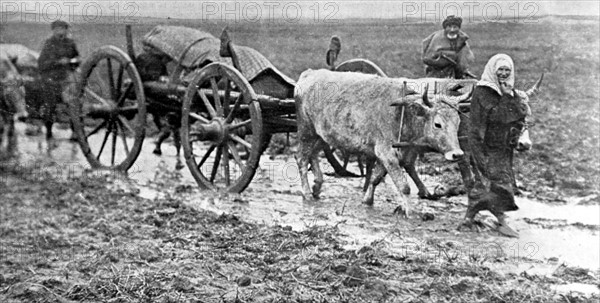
12	99
352	112
457	87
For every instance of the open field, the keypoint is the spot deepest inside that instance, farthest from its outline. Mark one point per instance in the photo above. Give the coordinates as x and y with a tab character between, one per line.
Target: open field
96	239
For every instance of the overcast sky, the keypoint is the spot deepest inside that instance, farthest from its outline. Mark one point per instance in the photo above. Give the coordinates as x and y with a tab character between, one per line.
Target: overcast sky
252	10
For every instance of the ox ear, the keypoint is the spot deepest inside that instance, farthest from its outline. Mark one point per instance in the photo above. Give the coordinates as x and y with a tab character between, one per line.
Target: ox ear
536	87
454	89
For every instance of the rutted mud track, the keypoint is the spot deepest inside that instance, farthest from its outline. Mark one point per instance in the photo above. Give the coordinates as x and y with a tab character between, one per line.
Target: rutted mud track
71	234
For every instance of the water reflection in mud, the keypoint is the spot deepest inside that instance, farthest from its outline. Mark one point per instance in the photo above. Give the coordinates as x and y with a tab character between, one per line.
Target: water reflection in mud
563	233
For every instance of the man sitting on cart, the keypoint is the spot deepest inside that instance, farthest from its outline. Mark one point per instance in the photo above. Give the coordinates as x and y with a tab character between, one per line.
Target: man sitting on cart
446	53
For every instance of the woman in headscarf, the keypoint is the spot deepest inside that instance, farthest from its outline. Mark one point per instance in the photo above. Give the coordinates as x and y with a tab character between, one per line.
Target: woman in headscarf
497	119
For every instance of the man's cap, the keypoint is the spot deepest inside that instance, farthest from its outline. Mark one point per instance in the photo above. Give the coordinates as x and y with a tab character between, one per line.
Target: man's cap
59	23
452	20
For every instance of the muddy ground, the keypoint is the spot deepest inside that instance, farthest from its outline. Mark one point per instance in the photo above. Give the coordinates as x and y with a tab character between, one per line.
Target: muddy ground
71	235
89	236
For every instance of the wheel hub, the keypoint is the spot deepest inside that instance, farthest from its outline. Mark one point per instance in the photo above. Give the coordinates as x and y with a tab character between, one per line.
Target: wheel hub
214	131
105	111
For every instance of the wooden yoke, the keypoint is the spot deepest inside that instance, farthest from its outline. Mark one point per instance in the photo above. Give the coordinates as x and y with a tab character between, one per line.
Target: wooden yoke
402	113
399	143
227	50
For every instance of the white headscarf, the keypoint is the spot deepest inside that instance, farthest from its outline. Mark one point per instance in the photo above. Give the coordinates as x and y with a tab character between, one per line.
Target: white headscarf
489	77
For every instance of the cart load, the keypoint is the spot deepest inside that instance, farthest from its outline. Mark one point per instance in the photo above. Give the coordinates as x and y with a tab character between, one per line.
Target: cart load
193	49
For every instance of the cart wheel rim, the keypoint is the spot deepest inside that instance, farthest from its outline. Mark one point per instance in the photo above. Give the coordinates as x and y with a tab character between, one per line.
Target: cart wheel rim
221	136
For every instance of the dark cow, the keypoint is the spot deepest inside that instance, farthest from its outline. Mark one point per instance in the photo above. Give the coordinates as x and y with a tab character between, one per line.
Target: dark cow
351	112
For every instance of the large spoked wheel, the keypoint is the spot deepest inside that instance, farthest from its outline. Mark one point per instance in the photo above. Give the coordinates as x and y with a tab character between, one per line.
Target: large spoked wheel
109	112
338	159
221	129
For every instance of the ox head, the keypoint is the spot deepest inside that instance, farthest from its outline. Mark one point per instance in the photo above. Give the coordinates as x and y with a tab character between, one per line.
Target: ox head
524	143
434	122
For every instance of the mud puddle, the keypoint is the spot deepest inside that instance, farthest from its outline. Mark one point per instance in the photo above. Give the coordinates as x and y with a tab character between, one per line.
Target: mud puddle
549	235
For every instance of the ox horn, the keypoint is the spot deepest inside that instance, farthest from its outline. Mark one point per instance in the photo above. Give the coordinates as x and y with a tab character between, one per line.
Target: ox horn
426	97
457	99
536	87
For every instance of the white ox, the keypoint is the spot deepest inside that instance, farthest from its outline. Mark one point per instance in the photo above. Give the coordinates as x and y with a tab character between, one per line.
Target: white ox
351	112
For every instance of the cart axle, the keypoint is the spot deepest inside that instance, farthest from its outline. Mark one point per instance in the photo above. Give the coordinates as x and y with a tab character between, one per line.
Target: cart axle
214	131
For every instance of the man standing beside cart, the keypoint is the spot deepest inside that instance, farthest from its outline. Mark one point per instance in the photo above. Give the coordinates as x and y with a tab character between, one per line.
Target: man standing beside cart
446	53
57	62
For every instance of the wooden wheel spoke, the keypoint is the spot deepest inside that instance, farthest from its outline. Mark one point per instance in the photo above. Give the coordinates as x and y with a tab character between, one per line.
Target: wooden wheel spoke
108	131
238	125
237	139
123	96
126	125
199	118
216	98
111	79
100	126
226	164
119	83
215	167
96	96
129	108
236	154
236	106
114	144
209	107
206	155
226	97
123	137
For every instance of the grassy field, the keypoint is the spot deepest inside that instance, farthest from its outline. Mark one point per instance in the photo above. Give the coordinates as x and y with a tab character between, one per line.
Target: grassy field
566	149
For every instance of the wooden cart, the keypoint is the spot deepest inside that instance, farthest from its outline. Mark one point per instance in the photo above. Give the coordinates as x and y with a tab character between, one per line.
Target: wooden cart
227	117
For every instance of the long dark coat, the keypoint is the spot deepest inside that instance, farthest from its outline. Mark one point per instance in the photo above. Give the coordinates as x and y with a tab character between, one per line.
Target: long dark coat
496	123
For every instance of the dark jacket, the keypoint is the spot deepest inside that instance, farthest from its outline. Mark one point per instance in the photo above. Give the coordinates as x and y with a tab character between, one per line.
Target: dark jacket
54	49
458	50
494	118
